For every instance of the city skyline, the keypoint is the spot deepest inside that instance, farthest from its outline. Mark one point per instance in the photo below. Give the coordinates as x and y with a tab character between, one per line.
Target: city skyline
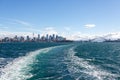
33	38
69	18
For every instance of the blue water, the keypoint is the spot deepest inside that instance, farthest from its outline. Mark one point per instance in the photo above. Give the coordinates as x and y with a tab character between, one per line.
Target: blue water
60	61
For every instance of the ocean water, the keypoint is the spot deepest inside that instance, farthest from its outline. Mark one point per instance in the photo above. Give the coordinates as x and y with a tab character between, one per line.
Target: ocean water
60	61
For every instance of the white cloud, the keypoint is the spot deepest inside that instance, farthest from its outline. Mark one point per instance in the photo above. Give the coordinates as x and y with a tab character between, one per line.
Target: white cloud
16	21
79	36
2	28
28	26
25	26
12	34
33	30
89	25
49	30
23	23
67	28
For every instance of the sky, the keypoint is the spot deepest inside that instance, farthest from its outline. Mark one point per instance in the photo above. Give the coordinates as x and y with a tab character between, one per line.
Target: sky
63	17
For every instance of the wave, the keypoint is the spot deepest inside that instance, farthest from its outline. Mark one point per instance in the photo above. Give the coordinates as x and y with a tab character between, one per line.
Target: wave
80	68
19	68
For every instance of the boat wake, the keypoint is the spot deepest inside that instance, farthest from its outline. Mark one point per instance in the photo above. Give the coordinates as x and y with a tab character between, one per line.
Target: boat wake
19	68
54	63
81	69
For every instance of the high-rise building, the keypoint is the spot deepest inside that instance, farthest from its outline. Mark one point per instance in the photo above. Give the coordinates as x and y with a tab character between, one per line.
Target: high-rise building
38	37
47	37
27	38
53	37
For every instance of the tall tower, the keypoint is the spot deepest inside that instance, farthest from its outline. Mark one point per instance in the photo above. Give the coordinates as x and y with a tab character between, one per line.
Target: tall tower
33	34
38	36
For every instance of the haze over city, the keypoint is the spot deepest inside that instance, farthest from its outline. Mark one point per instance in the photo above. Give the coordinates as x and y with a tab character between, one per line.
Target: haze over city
69	18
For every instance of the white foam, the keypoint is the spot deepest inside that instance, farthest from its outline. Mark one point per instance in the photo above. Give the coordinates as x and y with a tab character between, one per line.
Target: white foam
19	68
91	70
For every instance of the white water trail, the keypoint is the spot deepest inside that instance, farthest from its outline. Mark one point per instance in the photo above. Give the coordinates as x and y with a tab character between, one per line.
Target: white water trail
79	67
19	68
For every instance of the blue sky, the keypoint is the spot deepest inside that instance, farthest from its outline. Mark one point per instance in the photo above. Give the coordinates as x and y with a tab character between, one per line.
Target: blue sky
60	16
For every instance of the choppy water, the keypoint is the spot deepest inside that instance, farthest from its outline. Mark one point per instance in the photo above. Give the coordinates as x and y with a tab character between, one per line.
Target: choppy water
48	61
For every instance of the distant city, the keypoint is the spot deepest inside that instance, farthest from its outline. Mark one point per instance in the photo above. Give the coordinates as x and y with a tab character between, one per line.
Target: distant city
47	38
51	38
